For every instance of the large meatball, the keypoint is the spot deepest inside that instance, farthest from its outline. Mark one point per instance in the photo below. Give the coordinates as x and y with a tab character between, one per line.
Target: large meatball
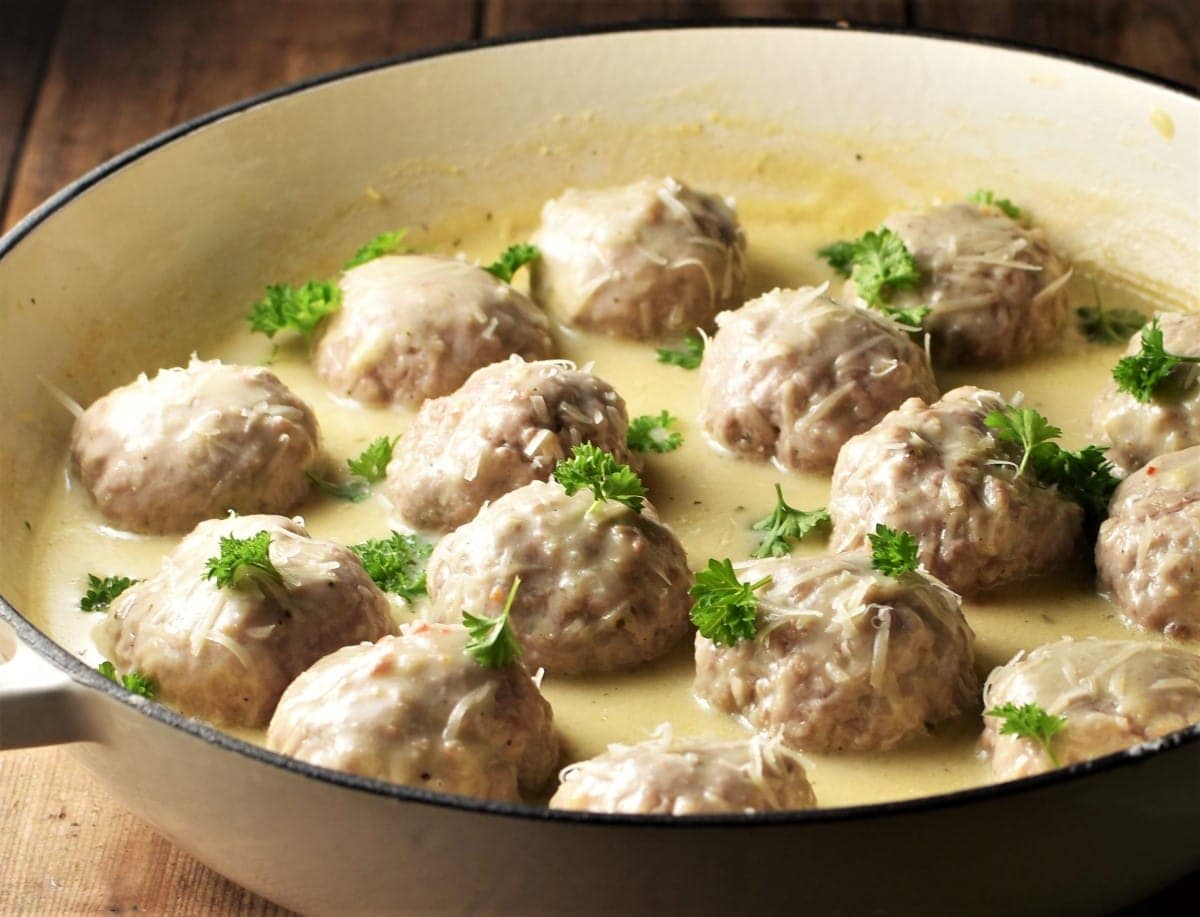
1148	551
413	327
794	374
938	472
509	424
845	658
159	455
1113	694
416	709
601	587
686	776
1170	421
642	261
996	289
227	653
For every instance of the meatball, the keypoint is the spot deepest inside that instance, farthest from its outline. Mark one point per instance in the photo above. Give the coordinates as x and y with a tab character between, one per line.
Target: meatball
642	261
685	776
1170	421
996	289
938	472
416	709
160	455
845	658
509	424
227	653
413	327
1113	694
794	374
602	587
1148	550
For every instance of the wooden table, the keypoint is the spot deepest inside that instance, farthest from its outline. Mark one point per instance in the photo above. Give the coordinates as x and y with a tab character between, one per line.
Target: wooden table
81	80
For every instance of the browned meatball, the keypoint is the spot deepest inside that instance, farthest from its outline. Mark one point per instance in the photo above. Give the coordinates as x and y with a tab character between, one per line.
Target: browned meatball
159	455
413	327
938	472
845	658
1170	421
997	290
1113	694
641	261
416	709
227	653
601	587
1148	551
794	374
509	424
686	776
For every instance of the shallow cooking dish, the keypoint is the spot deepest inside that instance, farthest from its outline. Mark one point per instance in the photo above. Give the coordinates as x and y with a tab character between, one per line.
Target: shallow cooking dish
162	248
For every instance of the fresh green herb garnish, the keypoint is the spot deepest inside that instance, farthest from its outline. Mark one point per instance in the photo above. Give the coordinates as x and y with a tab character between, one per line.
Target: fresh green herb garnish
892	552
244	562
649	433
512	259
492	642
785	525
369	468
1029	430
590	466
725	610
1142	374
134	681
912	317
396	564
386	243
985	198
102	590
1030	722
1108	326
687	355
879	264
354	490
299	309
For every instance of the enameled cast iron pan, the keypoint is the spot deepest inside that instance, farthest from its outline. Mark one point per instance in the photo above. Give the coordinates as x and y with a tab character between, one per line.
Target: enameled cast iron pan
130	266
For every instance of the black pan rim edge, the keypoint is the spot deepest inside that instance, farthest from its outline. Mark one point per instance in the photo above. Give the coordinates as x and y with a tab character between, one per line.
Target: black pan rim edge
80	672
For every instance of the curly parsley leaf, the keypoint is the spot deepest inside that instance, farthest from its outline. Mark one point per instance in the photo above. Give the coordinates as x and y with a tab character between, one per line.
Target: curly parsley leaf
725	610
386	243
985	198
101	590
512	259
912	318
590	466
1030	722
878	262
687	355
491	641
369	468
244	563
299	309
840	256
1108	326
650	433
134	681
396	564
785	525
1142	374
893	553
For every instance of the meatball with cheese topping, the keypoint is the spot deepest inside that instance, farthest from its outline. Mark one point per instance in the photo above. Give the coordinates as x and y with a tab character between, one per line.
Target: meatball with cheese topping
416	709
687	776
938	472
1148	551
602	586
412	327
509	424
226	653
1137	431
793	374
646	260
1110	695
160	455
845	658
997	290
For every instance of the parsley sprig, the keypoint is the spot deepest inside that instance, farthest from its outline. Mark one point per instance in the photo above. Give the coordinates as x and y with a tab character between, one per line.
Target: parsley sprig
396	563
244	563
298	309
491	641
1108	326
893	553
134	681
725	610
986	198
653	433
880	265
512	259
101	590
386	243
1142	374
1030	722
369	468
785	525
687	355
590	466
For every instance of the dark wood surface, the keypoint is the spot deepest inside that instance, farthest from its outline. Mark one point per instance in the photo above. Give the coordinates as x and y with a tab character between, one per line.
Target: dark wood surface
81	80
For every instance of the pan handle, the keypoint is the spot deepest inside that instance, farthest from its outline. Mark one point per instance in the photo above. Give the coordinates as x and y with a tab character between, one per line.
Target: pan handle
39	704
